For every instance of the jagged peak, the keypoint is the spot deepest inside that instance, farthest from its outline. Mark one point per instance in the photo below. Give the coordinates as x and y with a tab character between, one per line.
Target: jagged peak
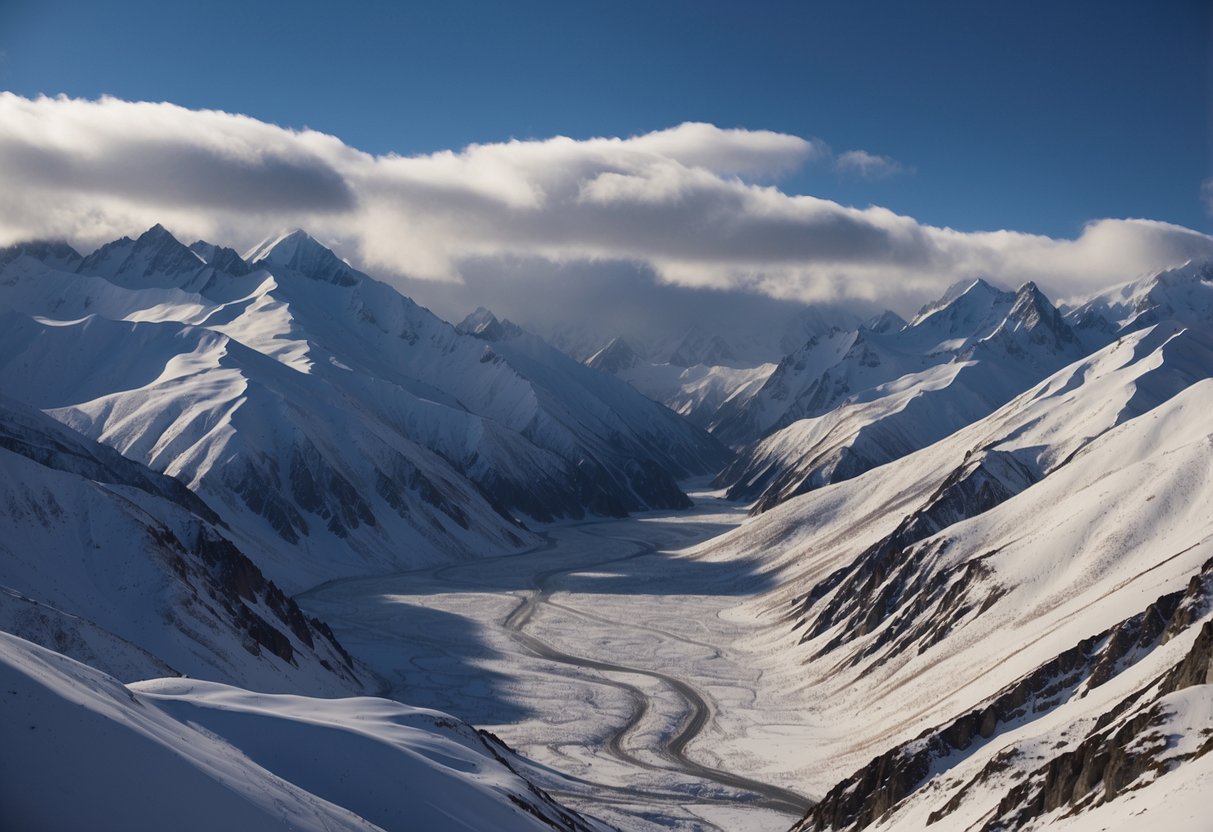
1031	306
482	314
615	357
964	292
154	252
1034	316
298	251
886	321
55	253
222	258
281	244
160	238
486	326
157	236
157	232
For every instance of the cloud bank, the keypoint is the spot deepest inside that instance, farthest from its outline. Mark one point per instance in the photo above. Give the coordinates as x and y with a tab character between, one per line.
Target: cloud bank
693	204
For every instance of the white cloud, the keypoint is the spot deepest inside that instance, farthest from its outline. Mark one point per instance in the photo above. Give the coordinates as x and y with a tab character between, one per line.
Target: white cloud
867	165
688	203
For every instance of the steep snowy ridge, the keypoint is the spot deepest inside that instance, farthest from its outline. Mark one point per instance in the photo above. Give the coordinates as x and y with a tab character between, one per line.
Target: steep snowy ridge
1183	294
156	258
128	570
638	444
1033	587
1126	747
615	358
872	397
305	396
272	449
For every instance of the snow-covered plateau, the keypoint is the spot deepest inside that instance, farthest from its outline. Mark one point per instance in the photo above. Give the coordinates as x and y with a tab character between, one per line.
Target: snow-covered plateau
951	573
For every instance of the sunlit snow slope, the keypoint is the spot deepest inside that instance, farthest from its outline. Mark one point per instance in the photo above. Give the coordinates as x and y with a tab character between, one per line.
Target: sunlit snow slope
128	571
1010	627
303	399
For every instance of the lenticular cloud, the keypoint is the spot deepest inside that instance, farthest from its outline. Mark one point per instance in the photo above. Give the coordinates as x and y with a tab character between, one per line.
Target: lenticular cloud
694	203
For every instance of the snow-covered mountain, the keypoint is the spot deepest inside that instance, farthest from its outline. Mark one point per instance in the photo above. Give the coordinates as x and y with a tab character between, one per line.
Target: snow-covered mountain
1010	627
84	751
697	371
127	570
851	401
1183	294
645	445
696	391
298	395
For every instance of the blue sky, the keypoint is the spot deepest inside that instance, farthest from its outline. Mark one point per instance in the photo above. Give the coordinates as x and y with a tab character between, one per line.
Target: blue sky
1034	116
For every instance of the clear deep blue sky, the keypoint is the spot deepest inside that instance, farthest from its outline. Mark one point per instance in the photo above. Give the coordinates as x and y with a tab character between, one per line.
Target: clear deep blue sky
1031	115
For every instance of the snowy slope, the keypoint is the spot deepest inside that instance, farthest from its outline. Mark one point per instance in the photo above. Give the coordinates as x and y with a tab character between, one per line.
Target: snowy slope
279	453
113	564
1183	294
1031	590
860	399
300	396
618	431
83	751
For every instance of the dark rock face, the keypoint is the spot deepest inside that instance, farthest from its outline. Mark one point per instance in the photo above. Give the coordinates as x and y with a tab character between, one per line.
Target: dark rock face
486	326
887	582
614	358
1112	759
211	574
222	258
1096	771
230	579
311	487
319	489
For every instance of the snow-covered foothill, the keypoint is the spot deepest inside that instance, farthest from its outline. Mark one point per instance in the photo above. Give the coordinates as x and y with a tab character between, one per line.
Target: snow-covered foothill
84	751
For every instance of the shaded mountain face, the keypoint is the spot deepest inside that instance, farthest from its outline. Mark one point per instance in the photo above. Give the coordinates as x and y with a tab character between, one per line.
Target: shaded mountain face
301	396
484	325
615	358
852	401
198	756
1009	628
222	259
128	570
698	347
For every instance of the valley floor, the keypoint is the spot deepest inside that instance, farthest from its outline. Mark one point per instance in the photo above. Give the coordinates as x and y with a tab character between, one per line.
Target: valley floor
615	664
